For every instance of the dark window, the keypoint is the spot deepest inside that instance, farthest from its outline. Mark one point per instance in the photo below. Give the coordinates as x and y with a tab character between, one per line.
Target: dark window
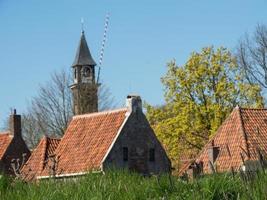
152	154
75	73
125	153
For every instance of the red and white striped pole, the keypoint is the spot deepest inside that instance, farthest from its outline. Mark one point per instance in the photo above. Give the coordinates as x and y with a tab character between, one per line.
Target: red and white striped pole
103	45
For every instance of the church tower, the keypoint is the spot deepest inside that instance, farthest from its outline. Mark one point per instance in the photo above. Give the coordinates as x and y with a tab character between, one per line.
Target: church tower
84	87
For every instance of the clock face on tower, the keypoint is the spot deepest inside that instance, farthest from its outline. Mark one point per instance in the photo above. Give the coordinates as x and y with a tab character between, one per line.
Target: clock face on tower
87	75
86	72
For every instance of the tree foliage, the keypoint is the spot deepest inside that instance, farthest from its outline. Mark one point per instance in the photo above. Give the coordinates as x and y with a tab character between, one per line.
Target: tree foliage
199	96
252	56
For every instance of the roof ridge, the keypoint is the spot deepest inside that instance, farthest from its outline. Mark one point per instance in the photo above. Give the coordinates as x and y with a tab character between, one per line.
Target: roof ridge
52	138
100	113
252	108
5	133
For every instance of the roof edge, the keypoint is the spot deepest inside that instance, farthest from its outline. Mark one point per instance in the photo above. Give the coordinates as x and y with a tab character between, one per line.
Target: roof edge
128	114
243	131
67	175
43	154
27	162
99	113
251	108
5	133
11	137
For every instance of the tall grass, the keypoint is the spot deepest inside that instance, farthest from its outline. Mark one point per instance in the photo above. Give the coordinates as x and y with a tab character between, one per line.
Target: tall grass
124	185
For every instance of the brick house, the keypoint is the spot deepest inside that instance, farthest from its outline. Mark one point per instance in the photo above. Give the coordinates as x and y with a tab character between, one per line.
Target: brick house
96	141
240	143
13	149
120	138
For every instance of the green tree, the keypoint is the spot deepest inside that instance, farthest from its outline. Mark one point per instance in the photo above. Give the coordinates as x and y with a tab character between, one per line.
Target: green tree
199	96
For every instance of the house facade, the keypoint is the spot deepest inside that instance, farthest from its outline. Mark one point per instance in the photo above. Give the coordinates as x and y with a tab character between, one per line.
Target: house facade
240	143
13	150
136	146
120	139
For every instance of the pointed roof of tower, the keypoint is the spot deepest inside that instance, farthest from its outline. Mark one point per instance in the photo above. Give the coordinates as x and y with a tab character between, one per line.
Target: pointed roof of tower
83	55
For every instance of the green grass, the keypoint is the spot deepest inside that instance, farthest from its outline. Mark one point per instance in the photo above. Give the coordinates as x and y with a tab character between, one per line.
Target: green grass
124	185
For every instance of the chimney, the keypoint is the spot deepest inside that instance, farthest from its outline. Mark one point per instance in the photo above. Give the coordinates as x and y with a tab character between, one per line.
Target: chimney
15	124
213	152
134	103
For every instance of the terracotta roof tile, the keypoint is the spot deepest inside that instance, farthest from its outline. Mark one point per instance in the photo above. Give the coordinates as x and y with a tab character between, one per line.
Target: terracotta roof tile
255	127
243	132
87	140
39	157
5	140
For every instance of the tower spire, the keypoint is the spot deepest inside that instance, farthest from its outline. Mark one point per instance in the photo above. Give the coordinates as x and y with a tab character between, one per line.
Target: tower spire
83	54
84	88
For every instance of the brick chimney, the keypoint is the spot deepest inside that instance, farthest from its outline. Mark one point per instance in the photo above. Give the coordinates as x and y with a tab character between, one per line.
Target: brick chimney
15	124
134	103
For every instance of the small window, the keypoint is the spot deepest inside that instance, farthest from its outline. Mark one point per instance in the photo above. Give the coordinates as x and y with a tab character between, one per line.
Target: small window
152	154
75	74
125	153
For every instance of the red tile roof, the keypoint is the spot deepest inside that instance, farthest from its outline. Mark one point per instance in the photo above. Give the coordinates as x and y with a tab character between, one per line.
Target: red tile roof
39	158
243	132
87	141
255	127
5	140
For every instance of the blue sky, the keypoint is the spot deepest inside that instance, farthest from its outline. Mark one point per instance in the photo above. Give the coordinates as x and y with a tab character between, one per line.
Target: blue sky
40	37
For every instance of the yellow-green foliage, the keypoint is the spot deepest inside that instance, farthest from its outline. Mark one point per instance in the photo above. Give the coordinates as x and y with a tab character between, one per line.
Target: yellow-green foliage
199	96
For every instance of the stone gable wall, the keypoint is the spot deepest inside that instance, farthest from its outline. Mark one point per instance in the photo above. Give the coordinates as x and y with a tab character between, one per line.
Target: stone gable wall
139	138
15	150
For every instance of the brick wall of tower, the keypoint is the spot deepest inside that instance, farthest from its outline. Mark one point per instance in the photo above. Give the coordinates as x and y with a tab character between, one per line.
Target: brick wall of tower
85	98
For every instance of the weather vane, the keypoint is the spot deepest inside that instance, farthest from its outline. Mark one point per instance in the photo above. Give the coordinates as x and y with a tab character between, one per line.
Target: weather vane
82	24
